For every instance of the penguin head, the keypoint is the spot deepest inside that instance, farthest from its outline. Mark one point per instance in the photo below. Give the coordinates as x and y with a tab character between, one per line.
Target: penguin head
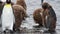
45	5
8	1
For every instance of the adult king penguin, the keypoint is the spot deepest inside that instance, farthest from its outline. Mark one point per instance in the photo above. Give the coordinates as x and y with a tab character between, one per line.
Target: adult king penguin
7	16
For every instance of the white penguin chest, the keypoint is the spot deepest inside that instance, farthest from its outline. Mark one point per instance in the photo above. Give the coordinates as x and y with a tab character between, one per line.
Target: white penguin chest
7	15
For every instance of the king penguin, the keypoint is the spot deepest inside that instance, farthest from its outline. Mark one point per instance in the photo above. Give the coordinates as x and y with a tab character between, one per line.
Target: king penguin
7	16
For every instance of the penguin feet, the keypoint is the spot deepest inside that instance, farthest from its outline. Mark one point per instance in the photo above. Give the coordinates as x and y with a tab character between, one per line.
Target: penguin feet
52	31
8	31
48	31
16	30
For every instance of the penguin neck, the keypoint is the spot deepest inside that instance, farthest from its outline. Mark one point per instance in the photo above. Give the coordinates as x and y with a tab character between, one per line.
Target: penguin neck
8	2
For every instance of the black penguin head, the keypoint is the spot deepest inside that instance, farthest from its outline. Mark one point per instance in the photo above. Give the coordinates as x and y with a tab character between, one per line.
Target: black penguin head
45	5
8	1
